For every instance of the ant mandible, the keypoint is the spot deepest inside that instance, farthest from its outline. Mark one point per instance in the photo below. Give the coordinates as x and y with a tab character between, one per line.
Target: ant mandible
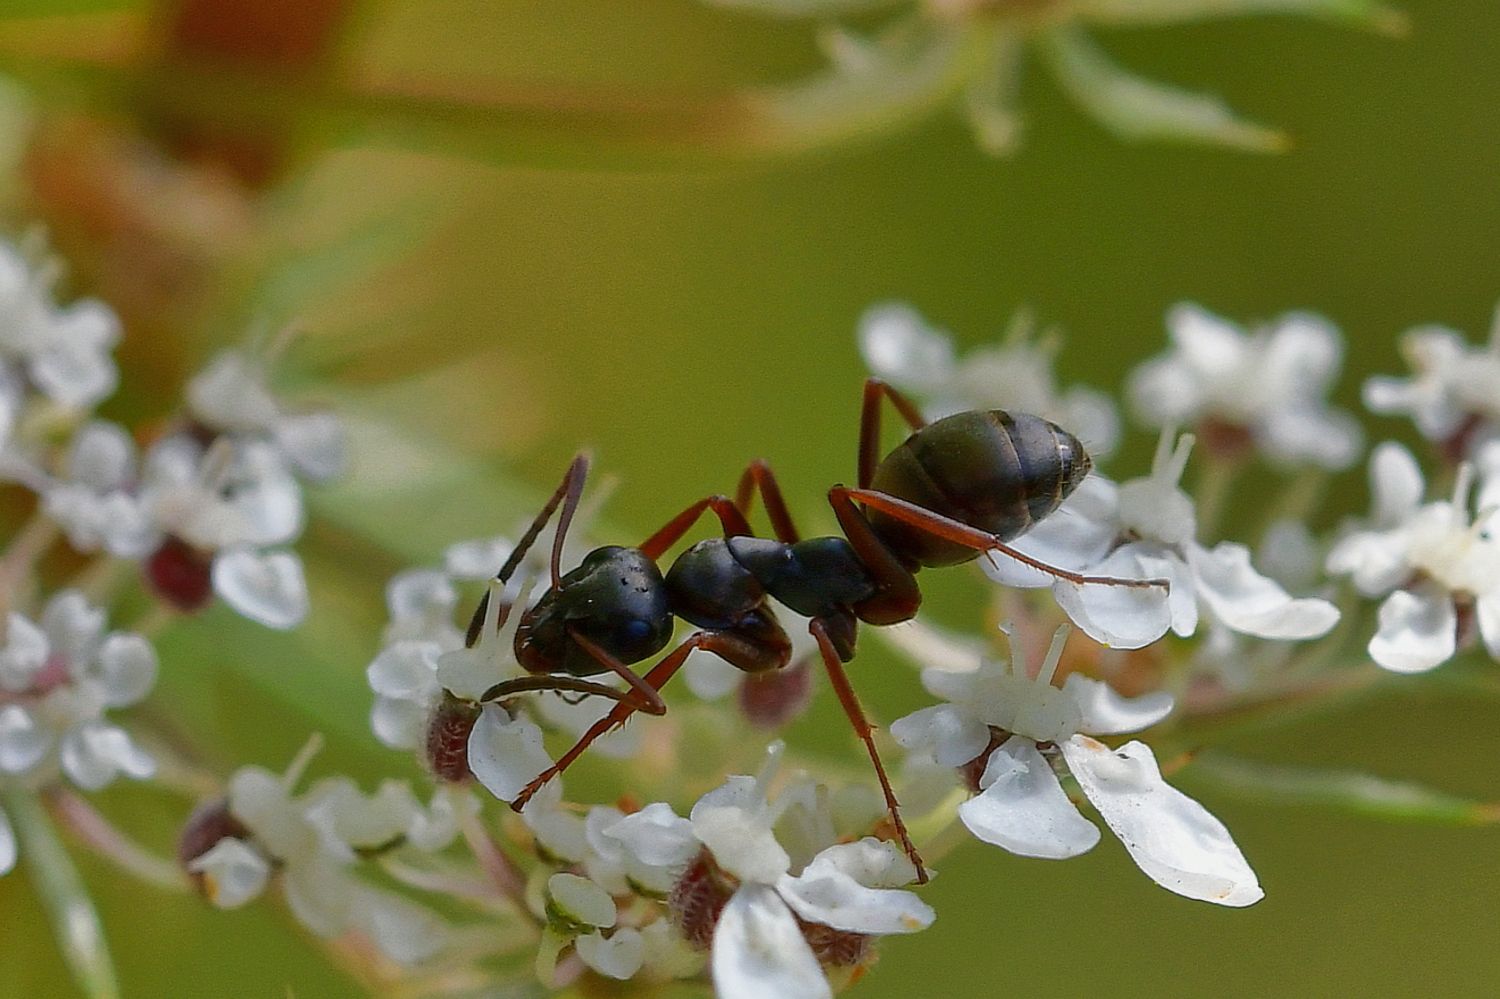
954	489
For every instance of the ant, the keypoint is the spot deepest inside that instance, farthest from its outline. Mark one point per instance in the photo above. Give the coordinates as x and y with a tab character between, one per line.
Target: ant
955	489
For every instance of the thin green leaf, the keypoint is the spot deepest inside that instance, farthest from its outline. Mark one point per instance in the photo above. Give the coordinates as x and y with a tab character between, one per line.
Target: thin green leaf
75	922
1140	110
1368	14
1348	791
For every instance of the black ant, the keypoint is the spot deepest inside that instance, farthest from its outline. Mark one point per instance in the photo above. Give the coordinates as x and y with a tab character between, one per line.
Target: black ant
953	490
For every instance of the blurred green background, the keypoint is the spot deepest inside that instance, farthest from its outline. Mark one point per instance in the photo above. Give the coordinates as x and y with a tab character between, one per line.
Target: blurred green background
681	317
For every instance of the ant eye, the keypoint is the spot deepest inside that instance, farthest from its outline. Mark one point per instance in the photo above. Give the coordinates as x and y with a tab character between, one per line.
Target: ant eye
635	630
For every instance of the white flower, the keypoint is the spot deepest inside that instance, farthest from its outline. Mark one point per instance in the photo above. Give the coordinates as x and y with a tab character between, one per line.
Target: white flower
232	396
94	499
1016	374
758	947
311	843
1432	560
1022	806
1454	387
63	352
1146	528
57	680
1270	385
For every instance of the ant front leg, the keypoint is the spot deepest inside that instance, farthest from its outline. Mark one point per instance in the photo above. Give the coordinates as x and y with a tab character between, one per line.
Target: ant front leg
972	537
639	694
727	645
833	662
869	424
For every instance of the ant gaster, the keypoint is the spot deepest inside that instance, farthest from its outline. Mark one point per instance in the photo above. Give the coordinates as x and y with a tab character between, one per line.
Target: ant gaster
953	490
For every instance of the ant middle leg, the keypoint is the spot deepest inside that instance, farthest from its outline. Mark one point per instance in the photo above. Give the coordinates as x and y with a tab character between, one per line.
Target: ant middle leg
730	519
869	424
735	648
833	663
972	537
758	475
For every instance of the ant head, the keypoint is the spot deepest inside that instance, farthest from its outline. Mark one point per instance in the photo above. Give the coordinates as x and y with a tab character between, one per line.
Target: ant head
615	598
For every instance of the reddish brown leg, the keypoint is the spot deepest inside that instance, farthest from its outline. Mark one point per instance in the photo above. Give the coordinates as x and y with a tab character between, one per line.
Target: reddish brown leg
972	537
642	695
869	424
568	493
729	515
731	647
759	476
865	731
553	681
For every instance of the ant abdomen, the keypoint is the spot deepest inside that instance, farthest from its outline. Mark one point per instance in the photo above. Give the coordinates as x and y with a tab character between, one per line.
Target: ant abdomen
997	471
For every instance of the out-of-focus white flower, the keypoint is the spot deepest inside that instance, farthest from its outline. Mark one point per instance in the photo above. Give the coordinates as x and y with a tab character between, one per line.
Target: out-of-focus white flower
1146	528
736	887
63	352
232	396
311	843
1022	806
899	346
94	498
1438	565
1453	394
1268	387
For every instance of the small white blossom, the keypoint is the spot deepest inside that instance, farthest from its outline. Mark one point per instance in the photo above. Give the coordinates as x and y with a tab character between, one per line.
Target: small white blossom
1270	385
1147	528
64	352
1016	374
1022	806
758	948
1431	561
311	842
232	396
58	677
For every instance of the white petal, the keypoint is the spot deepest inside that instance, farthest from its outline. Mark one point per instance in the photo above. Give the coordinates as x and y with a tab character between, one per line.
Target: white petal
404	931
759	951
734	822
127	667
955	737
831	890
1418	631
94	753
405	671
1250	603
73	627
505	753
399	724
1128	617
1487	609
898	345
1023	808
25	652
579	900
481	558
7	845
23	743
1395	484
314	443
619	956
101	456
234	873
1078	534
267	587
321	895
420	593
1375	560
1170	836
1106	712
655	836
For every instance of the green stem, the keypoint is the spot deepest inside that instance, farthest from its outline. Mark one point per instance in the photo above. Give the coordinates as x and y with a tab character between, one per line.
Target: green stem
75	921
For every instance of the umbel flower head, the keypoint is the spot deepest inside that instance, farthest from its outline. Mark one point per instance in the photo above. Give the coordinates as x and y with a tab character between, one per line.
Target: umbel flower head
1147	528
1016	374
1267	388
58	677
1023	730
759	879
1437	566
